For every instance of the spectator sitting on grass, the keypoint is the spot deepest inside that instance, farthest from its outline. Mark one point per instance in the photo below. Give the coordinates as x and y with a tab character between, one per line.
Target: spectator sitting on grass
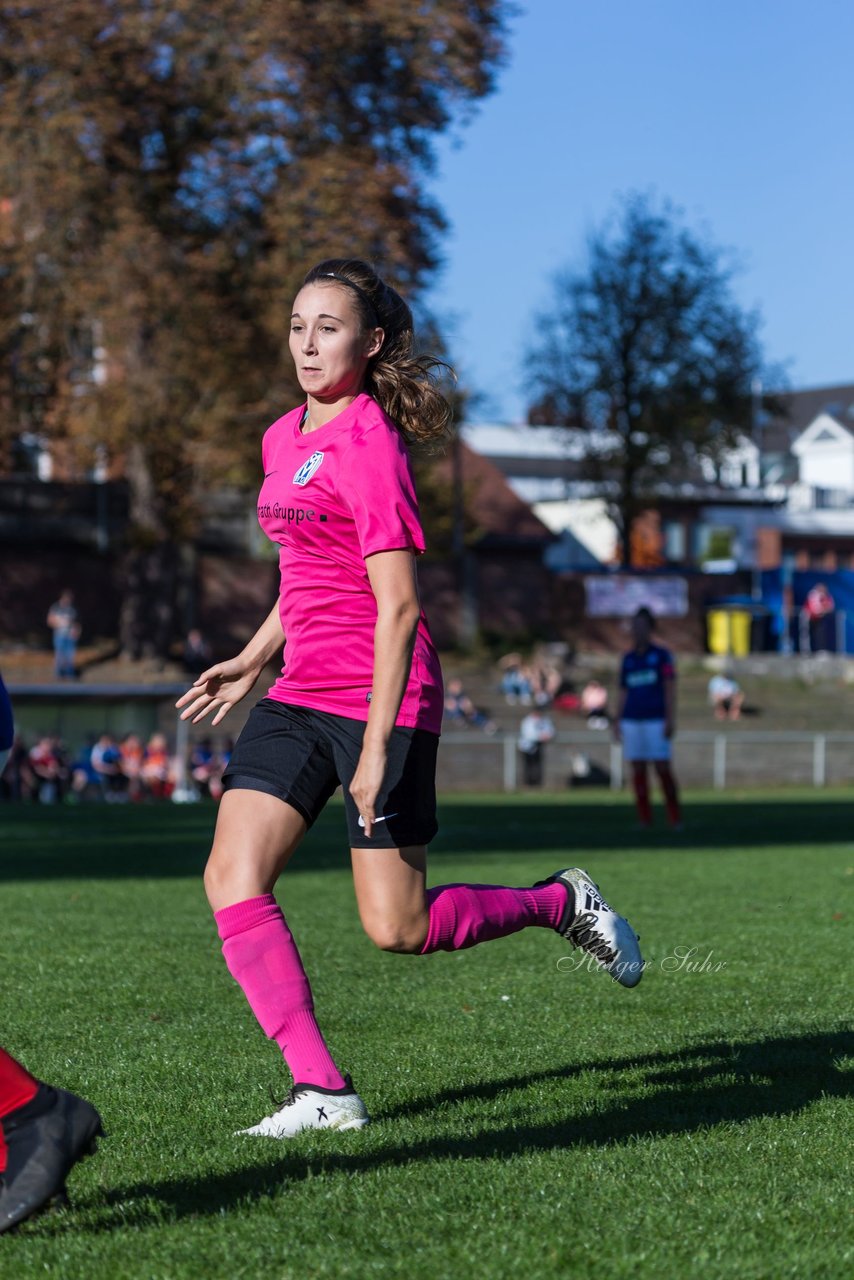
544	682
132	754
157	770
514	684
207	768
17	781
83	775
459	707
726	697
48	763
107	764
594	704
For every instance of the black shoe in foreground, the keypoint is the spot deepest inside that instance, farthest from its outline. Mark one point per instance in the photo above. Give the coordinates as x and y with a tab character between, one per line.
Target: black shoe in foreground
45	1138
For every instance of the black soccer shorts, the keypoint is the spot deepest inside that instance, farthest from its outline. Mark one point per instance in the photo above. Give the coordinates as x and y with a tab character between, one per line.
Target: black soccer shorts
303	756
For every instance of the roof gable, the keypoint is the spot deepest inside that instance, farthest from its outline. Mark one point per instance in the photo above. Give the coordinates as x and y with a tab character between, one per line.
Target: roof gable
823	431
801	408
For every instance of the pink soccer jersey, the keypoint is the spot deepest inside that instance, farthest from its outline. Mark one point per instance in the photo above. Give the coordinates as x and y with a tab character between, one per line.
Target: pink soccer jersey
330	499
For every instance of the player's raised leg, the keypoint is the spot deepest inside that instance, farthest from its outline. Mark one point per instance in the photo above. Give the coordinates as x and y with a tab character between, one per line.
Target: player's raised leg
398	915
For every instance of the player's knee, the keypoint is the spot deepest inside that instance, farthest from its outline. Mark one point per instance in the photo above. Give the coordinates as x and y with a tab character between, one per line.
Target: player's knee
213	880
405	937
219	880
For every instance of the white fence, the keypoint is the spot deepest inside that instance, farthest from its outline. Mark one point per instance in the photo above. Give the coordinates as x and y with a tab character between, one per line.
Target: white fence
702	758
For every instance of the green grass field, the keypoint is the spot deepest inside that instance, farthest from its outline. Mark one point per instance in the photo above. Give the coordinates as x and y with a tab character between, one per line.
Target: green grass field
527	1121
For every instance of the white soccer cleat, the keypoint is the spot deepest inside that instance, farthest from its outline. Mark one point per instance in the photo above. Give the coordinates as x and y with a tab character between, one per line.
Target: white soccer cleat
308	1107
594	927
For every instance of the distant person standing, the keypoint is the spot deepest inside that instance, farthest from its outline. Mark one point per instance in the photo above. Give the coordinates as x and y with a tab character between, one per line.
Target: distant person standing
62	620
197	653
646	717
820	608
535	731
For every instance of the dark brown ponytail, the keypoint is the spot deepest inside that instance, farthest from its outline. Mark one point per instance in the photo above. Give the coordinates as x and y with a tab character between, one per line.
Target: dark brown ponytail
404	384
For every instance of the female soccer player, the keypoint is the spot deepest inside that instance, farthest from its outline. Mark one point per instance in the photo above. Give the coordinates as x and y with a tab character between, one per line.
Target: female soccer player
646	717
359	700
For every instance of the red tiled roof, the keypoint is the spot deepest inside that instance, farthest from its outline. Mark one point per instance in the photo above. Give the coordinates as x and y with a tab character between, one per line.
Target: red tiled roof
494	507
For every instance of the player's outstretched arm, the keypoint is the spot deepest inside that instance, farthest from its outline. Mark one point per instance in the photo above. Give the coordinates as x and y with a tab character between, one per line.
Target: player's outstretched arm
223	685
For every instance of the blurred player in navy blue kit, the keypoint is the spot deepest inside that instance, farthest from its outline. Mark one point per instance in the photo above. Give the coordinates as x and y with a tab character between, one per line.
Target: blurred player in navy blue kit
646	717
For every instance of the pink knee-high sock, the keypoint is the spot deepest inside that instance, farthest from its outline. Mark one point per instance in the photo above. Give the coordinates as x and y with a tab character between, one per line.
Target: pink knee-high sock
462	915
262	957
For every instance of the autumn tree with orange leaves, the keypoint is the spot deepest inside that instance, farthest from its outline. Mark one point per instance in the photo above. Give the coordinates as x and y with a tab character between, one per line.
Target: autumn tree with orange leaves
168	171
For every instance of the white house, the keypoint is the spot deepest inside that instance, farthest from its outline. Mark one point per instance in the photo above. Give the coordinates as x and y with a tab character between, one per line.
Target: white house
825	454
787	493
542	466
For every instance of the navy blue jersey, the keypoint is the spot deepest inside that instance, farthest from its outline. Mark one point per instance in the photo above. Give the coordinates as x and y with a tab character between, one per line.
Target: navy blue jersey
643	676
7	728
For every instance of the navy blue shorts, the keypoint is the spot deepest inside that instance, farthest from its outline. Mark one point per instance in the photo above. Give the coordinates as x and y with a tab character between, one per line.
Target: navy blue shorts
303	756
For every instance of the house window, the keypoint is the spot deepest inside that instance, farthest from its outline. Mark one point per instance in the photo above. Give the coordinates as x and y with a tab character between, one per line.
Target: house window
675	542
714	542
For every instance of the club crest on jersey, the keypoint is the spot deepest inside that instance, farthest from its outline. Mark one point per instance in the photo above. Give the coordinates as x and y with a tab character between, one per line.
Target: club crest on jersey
308	469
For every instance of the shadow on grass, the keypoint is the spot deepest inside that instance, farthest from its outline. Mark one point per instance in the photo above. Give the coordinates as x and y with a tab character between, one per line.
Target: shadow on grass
114	842
699	1087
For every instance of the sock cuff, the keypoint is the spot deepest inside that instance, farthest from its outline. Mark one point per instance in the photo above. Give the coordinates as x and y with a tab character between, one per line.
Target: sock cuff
443	919
549	903
247	915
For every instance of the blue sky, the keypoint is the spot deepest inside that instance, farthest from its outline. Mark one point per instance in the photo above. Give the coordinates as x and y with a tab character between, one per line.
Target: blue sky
740	113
